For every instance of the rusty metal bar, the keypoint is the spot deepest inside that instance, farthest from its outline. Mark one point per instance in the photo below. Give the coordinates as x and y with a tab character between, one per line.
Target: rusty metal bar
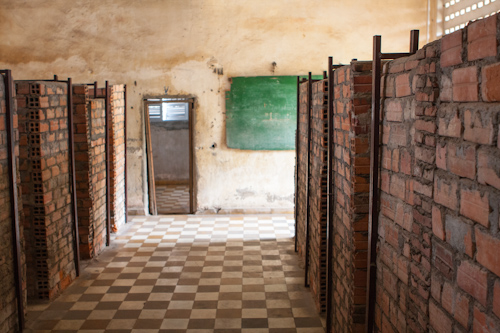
108	122
95	89
125	147
15	225
297	142
374	181
309	99
394	55
330	202
414	41
56	78
72	168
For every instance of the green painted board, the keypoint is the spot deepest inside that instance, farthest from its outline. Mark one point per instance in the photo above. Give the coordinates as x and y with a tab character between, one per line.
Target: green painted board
261	113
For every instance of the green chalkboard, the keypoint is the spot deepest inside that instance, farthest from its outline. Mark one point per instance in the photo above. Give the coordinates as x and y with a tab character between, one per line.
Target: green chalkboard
261	113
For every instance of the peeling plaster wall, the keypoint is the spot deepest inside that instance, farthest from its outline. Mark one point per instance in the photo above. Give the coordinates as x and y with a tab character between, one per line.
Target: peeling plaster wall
154	44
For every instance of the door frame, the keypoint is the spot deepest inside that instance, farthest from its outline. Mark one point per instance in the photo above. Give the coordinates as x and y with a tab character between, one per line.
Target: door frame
149	100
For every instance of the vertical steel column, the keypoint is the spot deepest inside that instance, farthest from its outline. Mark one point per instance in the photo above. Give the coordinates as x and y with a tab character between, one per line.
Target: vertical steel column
16	237
374	181
125	147
297	143
108	122
72	168
414	41
309	98
330	202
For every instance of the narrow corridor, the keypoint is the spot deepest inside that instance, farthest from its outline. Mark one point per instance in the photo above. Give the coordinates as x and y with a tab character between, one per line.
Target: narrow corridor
191	273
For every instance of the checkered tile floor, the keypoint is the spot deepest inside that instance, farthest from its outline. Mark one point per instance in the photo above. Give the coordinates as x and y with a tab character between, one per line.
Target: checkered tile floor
171	199
193	273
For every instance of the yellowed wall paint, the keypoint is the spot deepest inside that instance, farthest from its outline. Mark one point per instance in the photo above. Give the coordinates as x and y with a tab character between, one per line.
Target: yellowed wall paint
154	44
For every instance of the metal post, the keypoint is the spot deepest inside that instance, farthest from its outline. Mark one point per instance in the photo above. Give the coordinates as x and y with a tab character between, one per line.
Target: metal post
125	148
374	179
297	143
309	98
108	122
330	202
72	167
16	237
414	41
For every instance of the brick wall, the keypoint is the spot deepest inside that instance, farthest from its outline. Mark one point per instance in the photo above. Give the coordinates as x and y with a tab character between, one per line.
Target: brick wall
438	266
117	135
117	152
352	98
302	170
8	301
318	193
90	159
43	128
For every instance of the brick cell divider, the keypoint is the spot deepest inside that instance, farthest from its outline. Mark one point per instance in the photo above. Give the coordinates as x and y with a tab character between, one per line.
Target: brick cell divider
14	204
330	201
373	224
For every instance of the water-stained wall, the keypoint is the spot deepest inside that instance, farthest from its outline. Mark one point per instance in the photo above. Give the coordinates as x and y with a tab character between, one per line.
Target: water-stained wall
192	47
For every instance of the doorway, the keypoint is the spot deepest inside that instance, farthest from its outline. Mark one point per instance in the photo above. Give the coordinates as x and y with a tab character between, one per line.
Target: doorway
169	147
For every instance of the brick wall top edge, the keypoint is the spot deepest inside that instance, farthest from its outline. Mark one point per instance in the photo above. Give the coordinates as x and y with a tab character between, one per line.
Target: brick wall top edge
421	54
46	83
361	66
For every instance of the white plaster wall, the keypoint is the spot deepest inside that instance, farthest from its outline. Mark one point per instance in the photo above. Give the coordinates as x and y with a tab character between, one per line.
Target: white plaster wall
152	45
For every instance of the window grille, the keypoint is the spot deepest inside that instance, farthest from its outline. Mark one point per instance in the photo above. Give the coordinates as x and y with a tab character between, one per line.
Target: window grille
168	109
458	13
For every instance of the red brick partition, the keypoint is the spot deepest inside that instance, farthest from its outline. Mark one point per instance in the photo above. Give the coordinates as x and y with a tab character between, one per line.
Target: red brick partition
118	138
8	301
90	146
318	193
352	99
48	223
439	244
117	152
90	159
439	238
302	170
